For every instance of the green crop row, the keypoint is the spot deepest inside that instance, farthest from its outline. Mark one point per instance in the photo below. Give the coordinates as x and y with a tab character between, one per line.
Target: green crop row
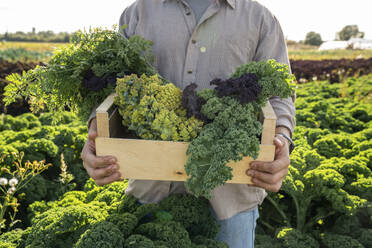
24	55
39	140
325	201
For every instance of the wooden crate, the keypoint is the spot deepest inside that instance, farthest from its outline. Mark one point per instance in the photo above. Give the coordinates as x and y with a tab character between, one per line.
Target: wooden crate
165	160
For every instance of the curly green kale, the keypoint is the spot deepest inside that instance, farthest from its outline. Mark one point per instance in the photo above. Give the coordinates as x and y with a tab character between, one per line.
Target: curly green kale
12	238
234	130
292	238
125	222
192	213
79	220
109	194
153	109
171	233
352	226
57	221
7	245
128	204
327	191
103	235
331	240
138	241
208	243
365	237
146	209
265	241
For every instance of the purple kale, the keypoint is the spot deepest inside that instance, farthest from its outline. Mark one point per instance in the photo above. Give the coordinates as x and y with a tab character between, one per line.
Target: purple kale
192	102
94	83
245	88
111	79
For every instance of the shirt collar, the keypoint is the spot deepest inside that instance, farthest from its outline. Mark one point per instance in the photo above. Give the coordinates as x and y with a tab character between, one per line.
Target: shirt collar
232	3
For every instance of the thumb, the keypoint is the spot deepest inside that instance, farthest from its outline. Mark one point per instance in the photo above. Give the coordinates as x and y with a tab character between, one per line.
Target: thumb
278	142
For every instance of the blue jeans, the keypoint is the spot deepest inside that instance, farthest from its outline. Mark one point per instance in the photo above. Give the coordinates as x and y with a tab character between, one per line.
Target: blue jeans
238	231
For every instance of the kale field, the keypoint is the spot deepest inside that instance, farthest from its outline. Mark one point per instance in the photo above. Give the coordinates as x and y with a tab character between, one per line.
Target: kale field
325	200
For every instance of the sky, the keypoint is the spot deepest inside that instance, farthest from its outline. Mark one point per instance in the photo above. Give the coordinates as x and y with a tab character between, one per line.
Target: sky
297	17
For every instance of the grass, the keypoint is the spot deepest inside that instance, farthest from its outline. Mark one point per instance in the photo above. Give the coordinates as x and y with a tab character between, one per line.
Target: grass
27	51
313	54
31	46
297	51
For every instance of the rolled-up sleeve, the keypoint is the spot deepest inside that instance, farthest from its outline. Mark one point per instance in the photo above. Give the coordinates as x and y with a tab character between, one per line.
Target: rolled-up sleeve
272	45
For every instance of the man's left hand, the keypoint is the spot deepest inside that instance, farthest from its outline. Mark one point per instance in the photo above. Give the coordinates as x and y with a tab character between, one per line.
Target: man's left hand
270	175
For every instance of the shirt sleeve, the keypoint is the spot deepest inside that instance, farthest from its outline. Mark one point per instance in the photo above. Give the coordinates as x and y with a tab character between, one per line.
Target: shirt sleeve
128	21
272	45
127	24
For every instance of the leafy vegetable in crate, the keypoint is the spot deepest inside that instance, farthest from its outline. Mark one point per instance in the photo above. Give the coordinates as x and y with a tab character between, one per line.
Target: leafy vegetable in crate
82	74
233	132
155	109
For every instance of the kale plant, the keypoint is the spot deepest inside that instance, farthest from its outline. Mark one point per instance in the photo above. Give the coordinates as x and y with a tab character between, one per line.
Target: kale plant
80	75
234	129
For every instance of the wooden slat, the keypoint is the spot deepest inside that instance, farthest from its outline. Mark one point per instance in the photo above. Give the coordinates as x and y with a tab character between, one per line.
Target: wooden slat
102	115
102	124
268	112
239	168
269	125
106	104
164	160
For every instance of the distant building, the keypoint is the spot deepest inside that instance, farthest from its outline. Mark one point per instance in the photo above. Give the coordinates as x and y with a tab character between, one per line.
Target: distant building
358	43
331	45
353	43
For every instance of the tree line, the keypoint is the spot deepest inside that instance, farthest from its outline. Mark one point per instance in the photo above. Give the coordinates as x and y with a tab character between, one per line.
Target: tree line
348	32
33	36
312	38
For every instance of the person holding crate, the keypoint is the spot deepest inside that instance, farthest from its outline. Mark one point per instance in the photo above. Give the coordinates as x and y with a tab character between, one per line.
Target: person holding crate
197	41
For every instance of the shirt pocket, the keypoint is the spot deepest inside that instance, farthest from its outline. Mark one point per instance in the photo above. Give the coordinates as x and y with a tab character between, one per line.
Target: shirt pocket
238	49
231	51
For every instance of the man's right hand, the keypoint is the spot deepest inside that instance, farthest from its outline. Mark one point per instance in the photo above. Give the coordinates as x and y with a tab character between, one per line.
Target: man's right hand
102	169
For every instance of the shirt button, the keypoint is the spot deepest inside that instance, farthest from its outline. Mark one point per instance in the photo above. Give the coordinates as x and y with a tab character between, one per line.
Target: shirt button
189	71
203	49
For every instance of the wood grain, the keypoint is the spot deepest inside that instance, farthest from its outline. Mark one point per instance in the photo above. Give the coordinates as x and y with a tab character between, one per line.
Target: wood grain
164	160
268	125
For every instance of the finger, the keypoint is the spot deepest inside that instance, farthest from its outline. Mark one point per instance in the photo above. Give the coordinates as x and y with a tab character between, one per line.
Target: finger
92	147
92	144
100	161
280	163
268	177
270	187
92	135
112	178
90	159
280	144
100	173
